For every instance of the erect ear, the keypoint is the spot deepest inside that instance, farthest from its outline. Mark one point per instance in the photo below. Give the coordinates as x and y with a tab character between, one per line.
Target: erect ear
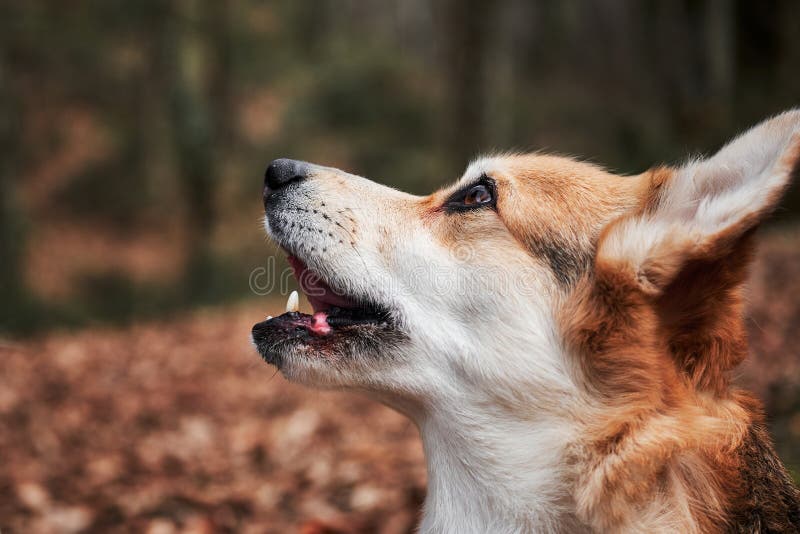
701	210
688	246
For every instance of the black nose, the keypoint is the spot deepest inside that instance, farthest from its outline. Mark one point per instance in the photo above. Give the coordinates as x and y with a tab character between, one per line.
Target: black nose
282	171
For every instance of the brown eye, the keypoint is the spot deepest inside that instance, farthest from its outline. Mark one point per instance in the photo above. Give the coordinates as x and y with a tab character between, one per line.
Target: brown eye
477	195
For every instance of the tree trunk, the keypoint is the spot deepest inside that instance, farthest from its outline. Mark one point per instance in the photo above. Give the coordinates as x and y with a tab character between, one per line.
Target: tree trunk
12	285
200	110
465	25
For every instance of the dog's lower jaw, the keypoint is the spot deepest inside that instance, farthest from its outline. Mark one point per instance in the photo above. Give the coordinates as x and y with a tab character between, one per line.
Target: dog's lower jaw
494	474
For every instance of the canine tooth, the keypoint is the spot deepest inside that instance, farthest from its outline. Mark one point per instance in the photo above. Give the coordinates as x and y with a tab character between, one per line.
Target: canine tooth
293	302
268	318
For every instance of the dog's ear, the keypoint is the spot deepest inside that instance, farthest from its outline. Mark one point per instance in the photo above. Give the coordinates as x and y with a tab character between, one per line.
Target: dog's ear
687	248
701	210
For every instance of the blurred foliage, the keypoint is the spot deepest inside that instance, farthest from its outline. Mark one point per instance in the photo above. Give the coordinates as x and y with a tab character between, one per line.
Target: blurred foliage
128	127
134	135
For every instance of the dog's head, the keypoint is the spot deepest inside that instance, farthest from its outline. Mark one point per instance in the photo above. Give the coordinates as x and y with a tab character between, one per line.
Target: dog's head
533	278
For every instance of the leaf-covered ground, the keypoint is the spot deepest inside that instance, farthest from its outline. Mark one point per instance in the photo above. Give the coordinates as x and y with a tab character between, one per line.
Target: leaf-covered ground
178	426
181	427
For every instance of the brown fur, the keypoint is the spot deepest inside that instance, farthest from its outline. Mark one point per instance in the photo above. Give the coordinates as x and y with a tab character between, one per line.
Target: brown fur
659	353
671	443
767	500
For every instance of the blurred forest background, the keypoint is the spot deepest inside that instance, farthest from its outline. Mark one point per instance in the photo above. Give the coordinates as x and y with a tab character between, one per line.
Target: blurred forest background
133	140
133	135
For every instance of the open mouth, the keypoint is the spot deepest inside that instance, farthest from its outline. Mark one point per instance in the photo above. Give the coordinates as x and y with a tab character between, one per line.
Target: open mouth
338	323
332	310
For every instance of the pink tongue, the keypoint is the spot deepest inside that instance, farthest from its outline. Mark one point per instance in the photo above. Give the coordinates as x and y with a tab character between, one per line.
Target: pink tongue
320	295
319	324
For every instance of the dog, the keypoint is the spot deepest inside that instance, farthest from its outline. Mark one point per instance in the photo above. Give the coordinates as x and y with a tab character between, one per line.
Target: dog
563	337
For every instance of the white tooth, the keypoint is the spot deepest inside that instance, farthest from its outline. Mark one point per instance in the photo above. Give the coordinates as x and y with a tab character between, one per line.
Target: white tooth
293	302
268	318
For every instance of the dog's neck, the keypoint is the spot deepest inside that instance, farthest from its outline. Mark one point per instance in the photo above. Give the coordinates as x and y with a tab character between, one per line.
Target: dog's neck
490	472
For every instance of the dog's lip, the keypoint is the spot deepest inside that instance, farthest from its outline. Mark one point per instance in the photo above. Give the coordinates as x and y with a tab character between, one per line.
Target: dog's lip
331	309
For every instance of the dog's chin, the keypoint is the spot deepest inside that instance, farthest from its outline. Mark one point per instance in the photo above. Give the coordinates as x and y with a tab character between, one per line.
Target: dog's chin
342	334
348	347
